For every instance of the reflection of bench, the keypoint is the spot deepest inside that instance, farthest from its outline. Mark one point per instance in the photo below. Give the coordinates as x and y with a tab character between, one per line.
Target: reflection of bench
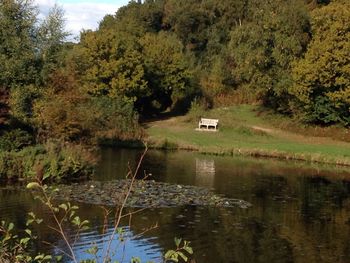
208	124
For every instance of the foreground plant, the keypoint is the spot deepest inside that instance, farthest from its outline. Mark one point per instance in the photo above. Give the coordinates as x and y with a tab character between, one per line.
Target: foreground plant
17	249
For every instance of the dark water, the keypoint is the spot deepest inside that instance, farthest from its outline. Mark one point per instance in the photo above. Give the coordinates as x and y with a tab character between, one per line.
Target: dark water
299	214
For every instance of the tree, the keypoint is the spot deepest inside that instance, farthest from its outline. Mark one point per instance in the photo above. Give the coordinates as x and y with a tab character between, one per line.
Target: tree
136	18
17	42
322	77
167	71
189	22
51	38
262	48
114	66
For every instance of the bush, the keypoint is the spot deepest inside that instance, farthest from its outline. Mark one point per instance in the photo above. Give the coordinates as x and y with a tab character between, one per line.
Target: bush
197	110
82	118
53	161
15	140
113	119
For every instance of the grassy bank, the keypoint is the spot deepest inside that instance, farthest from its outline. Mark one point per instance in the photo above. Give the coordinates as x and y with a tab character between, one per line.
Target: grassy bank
242	131
51	162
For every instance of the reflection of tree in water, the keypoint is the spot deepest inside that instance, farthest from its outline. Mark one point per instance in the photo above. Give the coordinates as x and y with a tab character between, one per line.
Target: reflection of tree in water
319	196
253	240
276	187
170	167
219	234
153	163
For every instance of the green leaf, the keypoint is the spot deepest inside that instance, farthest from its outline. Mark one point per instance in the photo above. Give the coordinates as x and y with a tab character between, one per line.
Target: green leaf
76	221
177	241
29	222
24	241
169	254
189	250
47	257
135	260
58	258
10	227
63	206
85	222
28	231
182	255
47	175
39	257
33	185
92	251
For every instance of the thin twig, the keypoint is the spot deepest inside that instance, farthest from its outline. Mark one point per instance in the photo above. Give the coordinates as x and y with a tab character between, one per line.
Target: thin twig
61	231
55	247
120	210
133	213
105	219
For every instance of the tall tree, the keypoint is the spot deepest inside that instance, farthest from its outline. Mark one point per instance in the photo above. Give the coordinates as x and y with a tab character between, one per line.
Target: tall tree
167	71
51	38
322	77
114	67
17	42
262	48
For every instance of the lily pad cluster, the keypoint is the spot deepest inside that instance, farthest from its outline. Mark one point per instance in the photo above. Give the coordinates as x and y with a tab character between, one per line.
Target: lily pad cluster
144	193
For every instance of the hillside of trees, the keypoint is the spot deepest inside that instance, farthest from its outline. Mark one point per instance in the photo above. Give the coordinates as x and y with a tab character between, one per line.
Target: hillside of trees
159	55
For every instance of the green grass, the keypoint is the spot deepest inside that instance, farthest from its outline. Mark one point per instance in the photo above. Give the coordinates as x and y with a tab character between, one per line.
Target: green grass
242	131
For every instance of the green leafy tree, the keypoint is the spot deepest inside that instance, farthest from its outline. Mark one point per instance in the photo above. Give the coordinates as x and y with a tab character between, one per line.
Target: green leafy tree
322	77
189	22
51	39
17	42
167	71
135	18
262	48
113	67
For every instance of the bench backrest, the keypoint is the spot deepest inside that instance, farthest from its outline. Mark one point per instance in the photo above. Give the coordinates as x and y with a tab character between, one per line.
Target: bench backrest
209	121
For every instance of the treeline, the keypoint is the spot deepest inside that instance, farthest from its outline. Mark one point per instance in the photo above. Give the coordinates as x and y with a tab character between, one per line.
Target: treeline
293	56
289	55
158	55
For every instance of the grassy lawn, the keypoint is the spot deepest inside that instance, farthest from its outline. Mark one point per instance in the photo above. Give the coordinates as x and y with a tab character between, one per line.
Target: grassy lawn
242	131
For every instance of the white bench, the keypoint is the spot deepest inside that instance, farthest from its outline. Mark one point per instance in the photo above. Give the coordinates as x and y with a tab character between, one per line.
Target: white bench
208	124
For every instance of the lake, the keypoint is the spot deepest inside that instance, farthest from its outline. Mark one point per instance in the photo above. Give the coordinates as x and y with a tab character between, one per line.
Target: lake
300	212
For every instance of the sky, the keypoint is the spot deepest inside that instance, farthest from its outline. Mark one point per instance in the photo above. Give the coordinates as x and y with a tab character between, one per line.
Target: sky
81	14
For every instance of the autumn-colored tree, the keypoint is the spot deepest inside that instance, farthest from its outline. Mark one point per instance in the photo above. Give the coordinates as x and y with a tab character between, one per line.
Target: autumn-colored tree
322	77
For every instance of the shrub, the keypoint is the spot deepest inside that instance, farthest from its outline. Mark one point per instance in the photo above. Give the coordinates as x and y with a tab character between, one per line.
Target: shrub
85	119
15	140
53	161
113	119
197	110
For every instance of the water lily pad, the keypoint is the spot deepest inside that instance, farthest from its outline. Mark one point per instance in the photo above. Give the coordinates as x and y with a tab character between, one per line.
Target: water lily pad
144	194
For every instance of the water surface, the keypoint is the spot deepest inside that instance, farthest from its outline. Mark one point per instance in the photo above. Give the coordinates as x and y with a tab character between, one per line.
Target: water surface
300	212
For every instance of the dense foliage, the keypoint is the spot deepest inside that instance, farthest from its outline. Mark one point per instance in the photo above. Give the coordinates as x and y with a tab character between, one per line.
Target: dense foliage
159	55
322	78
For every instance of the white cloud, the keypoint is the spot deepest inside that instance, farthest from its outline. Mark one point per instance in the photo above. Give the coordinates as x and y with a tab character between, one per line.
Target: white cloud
44	7
86	15
79	15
